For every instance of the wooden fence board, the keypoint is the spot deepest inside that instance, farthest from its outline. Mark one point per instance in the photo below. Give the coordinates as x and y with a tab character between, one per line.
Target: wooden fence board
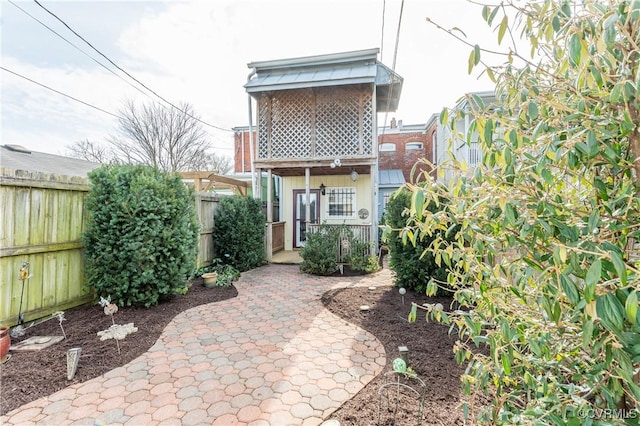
42	224
43	218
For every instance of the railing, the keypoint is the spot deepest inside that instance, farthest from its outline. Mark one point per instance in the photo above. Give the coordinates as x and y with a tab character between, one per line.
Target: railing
346	236
277	237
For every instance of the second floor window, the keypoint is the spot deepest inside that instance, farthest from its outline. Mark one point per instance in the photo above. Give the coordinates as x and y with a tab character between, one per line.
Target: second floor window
341	202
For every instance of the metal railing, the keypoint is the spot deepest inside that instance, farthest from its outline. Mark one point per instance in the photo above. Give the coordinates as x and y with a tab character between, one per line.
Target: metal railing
346	236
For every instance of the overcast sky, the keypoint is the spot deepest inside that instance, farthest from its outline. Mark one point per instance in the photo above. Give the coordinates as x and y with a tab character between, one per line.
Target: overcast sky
197	52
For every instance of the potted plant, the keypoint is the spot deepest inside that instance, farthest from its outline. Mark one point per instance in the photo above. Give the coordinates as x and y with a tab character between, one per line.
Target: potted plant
5	343
209	279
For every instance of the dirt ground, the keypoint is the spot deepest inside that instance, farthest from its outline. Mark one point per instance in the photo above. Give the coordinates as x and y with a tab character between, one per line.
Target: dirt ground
27	376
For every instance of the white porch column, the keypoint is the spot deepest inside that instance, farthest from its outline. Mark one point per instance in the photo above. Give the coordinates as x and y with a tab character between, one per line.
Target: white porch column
307	195
269	230
374	208
269	197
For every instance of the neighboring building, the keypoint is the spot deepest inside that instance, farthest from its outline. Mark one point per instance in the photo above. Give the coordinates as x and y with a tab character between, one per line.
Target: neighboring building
402	146
316	128
242	149
16	157
470	153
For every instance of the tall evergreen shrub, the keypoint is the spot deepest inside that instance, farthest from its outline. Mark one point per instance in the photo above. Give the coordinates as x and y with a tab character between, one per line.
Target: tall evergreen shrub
413	266
238	232
141	238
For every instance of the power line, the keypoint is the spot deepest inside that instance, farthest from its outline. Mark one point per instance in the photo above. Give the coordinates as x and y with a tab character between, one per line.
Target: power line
129	75
393	67
384	7
80	50
395	51
60	93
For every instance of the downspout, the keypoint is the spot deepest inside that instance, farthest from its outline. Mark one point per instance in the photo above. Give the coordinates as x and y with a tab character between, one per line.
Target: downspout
251	149
244	169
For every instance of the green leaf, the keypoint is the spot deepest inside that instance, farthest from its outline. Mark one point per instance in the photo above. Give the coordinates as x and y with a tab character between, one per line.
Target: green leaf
631	306
502	29
493	15
413	314
506	364
533	111
593	276
417	203
476	54
616	94
610	311
587	334
472	61
570	290
619	265
575	49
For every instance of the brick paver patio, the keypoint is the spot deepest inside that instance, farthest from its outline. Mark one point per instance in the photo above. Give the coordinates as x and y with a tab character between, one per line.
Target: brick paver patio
271	356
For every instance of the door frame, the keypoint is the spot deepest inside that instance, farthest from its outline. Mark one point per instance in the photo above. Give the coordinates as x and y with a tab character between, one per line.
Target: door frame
297	192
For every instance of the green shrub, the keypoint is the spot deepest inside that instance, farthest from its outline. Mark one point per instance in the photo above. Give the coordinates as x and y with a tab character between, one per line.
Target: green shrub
360	258
238	232
141	236
413	266
320	253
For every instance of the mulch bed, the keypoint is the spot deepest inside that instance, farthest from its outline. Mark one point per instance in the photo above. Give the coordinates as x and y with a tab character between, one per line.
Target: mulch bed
28	376
430	356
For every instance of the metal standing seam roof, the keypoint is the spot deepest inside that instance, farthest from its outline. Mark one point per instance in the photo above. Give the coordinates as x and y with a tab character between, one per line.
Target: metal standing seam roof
391	178
336	69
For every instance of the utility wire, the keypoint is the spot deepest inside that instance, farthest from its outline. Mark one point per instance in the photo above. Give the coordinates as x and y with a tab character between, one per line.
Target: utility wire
395	51
393	68
384	7
61	93
129	75
80	50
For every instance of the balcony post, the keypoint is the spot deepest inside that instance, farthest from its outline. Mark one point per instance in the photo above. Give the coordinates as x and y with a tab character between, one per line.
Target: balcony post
307	195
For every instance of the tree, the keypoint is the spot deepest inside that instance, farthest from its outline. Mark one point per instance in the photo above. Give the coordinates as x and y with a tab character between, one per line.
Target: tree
221	164
164	137
549	267
91	151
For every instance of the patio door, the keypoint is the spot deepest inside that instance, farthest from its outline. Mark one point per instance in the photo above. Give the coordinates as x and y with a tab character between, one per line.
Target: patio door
299	214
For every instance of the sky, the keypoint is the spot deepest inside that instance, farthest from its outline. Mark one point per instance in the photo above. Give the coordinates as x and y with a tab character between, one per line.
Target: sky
197	52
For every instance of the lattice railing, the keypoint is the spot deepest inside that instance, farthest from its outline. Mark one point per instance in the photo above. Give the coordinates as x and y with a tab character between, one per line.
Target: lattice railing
325	122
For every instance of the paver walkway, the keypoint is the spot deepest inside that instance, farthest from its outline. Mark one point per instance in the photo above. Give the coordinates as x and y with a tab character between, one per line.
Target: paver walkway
270	356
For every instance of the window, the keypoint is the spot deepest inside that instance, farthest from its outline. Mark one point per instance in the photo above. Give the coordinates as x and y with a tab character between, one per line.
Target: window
475	154
385	200
341	202
387	147
413	146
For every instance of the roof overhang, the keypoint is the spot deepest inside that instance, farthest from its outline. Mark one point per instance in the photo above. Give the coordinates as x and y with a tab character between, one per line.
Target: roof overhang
347	68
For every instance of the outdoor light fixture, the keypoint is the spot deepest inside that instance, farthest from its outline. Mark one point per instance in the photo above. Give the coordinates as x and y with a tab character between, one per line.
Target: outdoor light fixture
323	189
354	175
404	353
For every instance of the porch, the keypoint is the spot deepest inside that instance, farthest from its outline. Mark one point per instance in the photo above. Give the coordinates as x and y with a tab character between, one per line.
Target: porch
287	257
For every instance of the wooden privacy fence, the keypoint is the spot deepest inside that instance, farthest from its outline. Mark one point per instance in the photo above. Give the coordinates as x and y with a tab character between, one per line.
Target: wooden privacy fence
206	206
42	222
43	217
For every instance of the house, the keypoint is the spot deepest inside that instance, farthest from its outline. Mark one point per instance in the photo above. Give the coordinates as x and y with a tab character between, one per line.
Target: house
17	157
402	149
316	124
459	145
